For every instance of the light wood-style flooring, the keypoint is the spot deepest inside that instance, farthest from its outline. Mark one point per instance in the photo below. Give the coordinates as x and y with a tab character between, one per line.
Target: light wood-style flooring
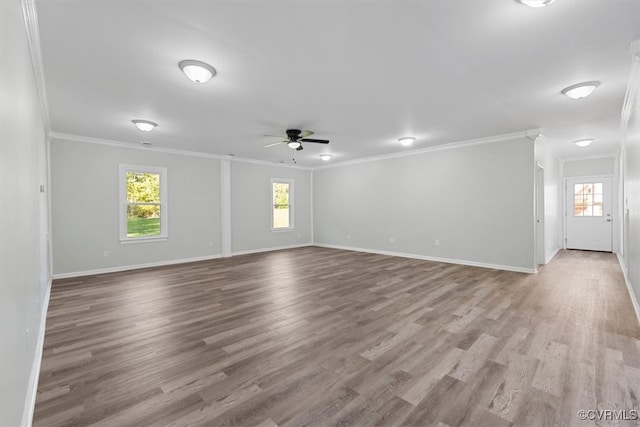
325	337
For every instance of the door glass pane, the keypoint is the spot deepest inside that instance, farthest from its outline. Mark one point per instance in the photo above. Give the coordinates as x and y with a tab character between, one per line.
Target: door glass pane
588	199
597	187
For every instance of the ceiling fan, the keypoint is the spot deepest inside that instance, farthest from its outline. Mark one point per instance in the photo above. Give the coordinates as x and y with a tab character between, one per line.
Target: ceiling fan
295	138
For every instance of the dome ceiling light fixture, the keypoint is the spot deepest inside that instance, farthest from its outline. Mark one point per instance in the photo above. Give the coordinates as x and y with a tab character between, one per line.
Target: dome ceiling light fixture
406	140
536	3
197	71
580	90
144	125
294	144
325	157
583	142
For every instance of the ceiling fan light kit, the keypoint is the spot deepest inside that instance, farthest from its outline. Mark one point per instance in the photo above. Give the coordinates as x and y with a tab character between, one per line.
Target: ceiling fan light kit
294	139
197	71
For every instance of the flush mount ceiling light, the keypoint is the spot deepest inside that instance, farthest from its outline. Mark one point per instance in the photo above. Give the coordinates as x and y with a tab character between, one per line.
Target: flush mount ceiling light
583	142
406	140
325	157
145	125
580	90
294	144
536	3
197	71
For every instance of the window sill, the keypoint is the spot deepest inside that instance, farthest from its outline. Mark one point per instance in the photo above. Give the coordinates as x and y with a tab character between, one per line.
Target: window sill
280	230
132	240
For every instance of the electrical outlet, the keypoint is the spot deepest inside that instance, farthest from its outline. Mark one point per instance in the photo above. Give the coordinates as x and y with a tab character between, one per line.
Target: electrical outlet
436	242
106	254
392	239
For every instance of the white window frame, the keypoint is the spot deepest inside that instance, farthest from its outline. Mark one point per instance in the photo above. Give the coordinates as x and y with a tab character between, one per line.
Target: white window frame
164	206
282	181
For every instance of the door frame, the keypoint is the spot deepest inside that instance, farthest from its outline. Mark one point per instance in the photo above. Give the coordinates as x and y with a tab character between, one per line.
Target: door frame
539	223
564	205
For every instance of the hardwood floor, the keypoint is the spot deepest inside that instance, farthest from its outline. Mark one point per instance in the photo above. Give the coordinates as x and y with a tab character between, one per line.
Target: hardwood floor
317	336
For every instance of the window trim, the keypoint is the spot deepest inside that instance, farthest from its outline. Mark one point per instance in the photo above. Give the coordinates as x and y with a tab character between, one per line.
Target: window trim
291	210
164	206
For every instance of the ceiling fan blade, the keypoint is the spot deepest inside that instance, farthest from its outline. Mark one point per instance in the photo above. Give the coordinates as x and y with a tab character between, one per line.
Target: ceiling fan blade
306	133
319	141
275	143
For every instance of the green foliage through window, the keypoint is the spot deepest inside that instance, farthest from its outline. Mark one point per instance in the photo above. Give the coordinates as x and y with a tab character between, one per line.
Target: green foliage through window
143	204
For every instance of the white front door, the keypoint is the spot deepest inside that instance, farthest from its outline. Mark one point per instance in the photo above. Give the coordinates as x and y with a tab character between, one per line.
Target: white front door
589	213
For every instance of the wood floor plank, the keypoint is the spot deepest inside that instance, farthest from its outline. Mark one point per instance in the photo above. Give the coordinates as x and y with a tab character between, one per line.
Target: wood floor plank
316	336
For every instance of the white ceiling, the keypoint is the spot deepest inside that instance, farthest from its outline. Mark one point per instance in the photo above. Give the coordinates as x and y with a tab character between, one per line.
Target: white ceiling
360	73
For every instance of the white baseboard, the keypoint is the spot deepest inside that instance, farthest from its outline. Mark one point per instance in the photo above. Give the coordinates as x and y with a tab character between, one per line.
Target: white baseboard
134	267
32	390
550	257
430	258
276	248
632	294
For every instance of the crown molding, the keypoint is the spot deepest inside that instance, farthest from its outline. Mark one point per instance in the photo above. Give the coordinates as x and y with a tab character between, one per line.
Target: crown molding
30	17
632	86
128	145
266	163
593	157
459	144
132	146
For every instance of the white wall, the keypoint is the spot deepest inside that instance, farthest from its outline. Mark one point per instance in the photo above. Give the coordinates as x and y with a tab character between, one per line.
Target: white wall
589	167
477	200
251	207
596	167
23	218
552	198
85	207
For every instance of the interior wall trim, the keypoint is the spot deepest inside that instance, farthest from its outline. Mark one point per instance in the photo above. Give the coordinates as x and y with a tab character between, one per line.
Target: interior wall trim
32	390
430	258
632	294
134	267
135	146
458	144
120	144
275	248
30	17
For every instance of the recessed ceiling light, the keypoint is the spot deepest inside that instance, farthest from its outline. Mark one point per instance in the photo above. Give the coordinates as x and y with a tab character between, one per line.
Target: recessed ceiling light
325	157
406	140
145	125
536	3
294	144
147	143
583	142
580	90
197	71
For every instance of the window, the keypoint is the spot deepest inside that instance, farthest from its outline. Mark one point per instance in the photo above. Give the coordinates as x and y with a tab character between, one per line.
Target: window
143	203
588	199
281	204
